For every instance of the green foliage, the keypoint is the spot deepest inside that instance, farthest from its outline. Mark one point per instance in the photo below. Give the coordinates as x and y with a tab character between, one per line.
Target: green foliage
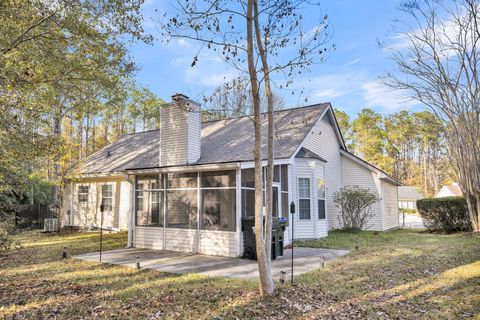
355	205
62	61
447	214
407	145
8	208
369	138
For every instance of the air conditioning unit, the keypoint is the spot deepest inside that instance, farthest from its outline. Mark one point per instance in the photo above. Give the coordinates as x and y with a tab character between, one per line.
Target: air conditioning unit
51	225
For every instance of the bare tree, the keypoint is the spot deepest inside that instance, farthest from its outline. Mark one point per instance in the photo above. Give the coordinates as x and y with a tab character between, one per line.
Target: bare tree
250	37
234	98
440	69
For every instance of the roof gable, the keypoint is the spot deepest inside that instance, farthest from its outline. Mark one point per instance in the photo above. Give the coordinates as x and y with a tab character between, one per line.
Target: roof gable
408	193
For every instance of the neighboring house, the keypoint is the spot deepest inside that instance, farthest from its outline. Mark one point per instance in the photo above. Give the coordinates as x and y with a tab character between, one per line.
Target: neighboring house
187	186
452	190
407	197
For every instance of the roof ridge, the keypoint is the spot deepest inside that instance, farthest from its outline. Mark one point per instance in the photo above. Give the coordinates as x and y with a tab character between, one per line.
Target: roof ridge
238	117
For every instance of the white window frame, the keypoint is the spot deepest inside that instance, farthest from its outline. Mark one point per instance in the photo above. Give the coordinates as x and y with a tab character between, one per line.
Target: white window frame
303	198
83	193
111	197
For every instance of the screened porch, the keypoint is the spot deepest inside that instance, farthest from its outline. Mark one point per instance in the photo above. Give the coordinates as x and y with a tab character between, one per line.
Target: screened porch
199	212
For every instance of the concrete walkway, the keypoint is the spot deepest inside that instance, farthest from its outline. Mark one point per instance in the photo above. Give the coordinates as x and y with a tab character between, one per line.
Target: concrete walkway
305	259
411	221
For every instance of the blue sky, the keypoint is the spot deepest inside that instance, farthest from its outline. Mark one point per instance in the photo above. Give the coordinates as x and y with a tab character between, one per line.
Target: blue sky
349	79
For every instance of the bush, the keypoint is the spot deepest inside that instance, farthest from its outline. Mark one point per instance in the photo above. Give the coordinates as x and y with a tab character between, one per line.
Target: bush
448	214
355	205
8	209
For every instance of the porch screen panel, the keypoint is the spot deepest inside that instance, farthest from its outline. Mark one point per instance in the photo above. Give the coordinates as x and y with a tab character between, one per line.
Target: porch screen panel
149	201
218	179
218	209
248	202
149	208
182	209
185	180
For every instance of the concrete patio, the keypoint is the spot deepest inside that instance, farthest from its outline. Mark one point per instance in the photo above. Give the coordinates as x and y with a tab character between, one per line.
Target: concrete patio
305	259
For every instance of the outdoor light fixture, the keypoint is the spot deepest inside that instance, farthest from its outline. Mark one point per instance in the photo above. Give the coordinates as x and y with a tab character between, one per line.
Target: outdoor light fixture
282	276
64	254
356	245
137	262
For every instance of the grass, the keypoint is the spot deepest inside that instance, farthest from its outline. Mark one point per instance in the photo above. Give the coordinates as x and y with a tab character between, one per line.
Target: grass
402	274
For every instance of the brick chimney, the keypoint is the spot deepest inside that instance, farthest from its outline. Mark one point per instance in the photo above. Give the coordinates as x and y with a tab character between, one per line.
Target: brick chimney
180	127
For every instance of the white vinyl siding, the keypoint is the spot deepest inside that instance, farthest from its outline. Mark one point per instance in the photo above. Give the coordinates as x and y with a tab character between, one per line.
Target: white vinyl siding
304	228
149	238
173	135
218	243
211	242
87	214
194	135
356	174
390	208
323	141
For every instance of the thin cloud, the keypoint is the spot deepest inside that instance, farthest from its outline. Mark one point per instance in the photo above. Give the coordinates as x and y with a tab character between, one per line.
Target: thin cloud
352	62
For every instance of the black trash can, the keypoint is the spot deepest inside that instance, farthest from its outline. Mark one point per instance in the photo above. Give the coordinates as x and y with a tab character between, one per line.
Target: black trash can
249	242
282	225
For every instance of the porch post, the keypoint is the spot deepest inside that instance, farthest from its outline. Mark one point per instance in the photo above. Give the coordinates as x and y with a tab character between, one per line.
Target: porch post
131	222
238	213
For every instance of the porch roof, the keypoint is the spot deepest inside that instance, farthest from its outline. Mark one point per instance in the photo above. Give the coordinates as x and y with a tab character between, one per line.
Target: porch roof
222	141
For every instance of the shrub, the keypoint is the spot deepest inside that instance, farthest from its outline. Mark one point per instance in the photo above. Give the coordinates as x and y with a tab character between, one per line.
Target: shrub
8	209
355	204
448	214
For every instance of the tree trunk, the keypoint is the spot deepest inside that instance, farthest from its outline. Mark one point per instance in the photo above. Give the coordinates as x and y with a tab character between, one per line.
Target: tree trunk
57	132
263	264
269	284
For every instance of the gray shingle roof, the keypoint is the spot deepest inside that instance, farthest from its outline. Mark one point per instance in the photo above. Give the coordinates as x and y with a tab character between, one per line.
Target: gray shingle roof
223	141
305	153
408	193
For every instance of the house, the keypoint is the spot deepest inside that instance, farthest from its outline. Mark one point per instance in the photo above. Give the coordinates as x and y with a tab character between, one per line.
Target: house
452	190
407	197
186	186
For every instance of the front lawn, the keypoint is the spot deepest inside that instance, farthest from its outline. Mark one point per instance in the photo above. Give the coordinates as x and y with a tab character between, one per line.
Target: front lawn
401	274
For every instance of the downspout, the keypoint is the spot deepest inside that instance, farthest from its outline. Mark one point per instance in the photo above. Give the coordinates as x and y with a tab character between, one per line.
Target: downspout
238	213
131	222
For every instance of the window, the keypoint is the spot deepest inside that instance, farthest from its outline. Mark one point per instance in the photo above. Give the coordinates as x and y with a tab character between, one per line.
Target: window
321	198
82	193
139	198
107	197
304	198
